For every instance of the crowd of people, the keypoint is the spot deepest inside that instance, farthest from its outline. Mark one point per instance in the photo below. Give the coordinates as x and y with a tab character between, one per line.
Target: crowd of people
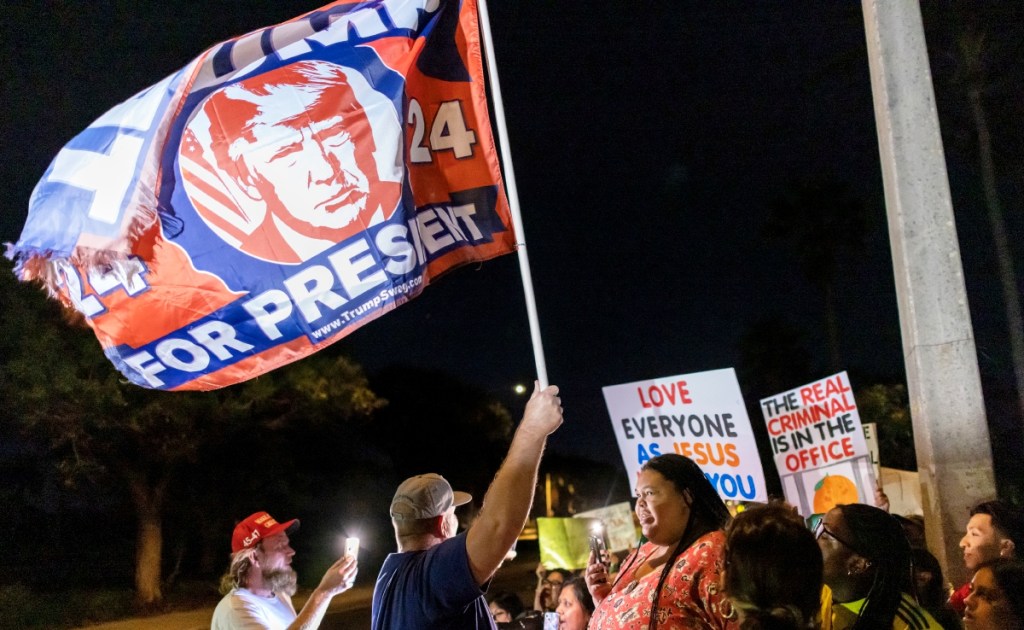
696	566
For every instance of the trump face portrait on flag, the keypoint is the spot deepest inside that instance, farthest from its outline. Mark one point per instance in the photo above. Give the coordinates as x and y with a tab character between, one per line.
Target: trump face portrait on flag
283	189
286	164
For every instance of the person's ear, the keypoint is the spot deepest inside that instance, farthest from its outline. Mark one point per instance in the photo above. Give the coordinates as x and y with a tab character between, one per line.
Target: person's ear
246	181
857	564
1007	548
439	526
250	189
688	497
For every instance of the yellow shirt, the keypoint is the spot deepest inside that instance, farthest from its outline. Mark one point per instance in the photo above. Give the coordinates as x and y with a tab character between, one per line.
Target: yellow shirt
909	615
834	618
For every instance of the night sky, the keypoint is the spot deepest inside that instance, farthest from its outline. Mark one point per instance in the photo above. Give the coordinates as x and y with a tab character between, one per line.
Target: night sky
649	142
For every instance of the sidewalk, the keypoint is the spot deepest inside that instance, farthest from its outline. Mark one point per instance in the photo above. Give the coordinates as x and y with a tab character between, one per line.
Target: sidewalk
199	619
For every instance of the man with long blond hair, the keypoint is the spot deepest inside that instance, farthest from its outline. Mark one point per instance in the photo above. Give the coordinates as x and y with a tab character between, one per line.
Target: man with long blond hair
260	581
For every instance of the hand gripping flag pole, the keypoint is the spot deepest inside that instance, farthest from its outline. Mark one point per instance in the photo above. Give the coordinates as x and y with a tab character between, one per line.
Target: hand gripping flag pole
513	193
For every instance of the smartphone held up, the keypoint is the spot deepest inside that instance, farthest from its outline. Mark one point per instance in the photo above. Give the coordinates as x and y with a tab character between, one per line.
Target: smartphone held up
352	550
352	547
598	547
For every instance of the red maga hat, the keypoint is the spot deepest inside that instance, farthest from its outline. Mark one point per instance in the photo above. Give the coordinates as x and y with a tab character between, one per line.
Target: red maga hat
255	528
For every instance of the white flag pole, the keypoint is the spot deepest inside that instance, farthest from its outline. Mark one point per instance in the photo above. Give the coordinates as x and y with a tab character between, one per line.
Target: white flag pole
513	193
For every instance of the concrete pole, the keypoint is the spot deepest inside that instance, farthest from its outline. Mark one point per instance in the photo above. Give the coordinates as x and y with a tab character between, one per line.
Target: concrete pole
951	438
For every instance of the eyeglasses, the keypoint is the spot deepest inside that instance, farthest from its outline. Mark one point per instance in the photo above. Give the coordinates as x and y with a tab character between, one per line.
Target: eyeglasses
547	582
820	530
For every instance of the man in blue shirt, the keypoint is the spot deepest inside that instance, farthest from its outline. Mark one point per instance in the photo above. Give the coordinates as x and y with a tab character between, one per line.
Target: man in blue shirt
438	579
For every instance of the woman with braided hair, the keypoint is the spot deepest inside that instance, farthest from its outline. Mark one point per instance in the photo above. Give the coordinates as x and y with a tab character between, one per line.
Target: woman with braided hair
868	571
672	580
773	570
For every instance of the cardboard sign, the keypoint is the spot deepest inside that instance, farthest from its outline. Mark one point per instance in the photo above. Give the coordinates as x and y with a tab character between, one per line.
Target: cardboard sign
564	542
701	416
620	531
871	439
903	487
819	448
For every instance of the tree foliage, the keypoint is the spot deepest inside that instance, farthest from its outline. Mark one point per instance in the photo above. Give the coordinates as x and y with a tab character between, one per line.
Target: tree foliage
889	408
61	389
312	439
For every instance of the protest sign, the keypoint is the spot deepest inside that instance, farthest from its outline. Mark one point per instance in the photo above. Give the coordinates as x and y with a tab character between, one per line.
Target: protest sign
871	439
903	487
701	416
564	542
818	444
619	529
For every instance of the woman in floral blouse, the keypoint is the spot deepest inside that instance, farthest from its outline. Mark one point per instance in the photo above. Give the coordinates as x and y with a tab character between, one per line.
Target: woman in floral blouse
672	580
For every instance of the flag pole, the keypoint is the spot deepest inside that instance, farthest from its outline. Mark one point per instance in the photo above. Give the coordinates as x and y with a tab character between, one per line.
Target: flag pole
513	194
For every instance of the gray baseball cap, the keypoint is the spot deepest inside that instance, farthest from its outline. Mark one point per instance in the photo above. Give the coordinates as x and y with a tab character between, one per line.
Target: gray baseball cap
425	496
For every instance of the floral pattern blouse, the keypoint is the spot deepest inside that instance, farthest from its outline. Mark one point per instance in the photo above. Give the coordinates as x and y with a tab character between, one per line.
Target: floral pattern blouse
690	597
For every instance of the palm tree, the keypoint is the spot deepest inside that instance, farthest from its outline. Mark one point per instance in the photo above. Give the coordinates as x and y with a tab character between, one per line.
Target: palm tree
973	48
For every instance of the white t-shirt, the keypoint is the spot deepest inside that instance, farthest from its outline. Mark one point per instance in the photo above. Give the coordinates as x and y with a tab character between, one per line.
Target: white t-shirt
241	609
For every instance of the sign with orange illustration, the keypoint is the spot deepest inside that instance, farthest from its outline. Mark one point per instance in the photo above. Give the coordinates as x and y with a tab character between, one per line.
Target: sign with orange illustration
818	444
833	490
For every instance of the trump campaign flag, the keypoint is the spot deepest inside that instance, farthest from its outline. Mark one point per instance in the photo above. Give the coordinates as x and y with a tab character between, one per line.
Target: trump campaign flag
283	189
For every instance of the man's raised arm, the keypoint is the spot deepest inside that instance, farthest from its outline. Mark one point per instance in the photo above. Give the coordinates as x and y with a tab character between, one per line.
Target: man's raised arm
338	579
507	502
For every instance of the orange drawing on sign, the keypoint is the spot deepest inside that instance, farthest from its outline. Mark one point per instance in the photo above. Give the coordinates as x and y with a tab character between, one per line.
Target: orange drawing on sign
833	490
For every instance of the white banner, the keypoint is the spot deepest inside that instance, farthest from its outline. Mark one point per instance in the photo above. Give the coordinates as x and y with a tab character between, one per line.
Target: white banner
701	416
